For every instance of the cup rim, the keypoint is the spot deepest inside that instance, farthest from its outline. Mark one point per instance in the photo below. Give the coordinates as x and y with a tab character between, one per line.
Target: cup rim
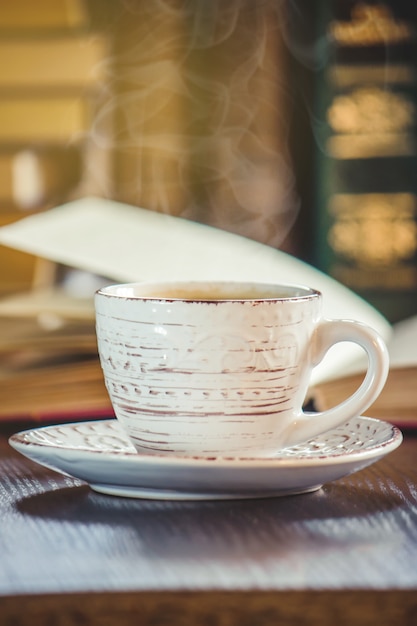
124	291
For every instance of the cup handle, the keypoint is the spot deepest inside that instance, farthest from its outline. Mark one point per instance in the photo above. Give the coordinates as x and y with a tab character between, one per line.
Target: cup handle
328	333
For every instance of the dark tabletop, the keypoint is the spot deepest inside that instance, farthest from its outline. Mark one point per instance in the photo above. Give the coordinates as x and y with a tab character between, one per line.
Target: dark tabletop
345	554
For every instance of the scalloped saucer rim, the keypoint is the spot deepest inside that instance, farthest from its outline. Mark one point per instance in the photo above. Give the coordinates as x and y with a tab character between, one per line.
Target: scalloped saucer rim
99	453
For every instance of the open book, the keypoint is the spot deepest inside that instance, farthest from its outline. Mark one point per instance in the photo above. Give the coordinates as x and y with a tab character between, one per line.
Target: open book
122	243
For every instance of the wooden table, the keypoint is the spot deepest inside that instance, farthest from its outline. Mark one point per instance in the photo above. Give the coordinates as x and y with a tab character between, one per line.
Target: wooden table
346	554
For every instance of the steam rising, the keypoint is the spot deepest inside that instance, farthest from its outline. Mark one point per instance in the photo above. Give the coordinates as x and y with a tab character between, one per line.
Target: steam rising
198	109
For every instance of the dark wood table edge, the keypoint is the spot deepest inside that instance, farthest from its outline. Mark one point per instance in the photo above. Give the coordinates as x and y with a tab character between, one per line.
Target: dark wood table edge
213	608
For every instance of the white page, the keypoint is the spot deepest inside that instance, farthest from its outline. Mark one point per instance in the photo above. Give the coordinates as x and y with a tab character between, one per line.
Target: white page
127	244
403	344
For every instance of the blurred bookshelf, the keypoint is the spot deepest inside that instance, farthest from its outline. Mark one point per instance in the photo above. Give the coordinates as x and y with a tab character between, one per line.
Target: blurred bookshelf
289	123
52	78
183	111
366	151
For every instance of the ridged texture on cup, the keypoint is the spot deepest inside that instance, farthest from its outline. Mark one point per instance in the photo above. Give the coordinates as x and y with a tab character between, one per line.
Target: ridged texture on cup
204	377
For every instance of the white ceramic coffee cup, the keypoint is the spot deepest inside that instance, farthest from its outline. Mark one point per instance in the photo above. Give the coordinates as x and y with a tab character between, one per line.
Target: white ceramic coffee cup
222	369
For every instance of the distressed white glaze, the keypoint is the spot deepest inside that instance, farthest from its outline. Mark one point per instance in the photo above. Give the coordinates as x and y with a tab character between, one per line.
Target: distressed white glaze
224	376
101	454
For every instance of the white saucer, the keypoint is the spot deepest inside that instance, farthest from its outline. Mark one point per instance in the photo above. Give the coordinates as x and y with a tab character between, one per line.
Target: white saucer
99	453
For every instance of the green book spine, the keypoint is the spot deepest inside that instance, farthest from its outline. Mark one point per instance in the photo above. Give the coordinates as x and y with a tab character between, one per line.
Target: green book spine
366	151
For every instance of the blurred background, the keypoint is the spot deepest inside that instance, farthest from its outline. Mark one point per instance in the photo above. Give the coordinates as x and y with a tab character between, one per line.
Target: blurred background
289	122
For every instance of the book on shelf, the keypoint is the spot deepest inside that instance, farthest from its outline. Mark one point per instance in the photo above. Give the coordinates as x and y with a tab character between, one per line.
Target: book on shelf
63	61
53	337
43	16
366	151
45	119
